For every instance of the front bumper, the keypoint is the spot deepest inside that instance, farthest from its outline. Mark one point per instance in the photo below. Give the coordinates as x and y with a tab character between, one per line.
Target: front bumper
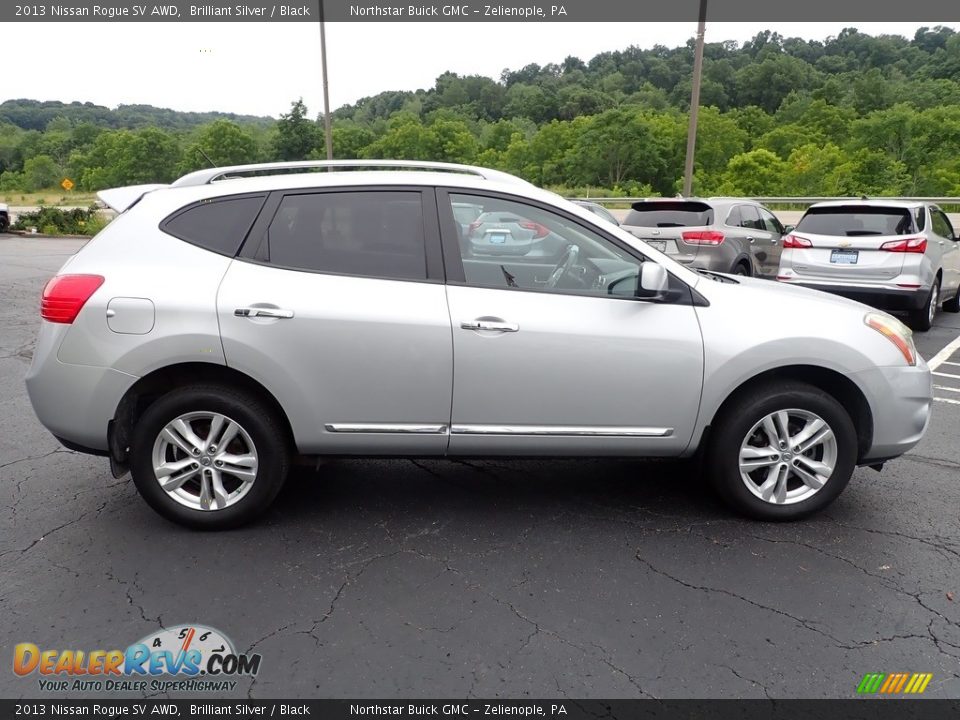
900	399
74	402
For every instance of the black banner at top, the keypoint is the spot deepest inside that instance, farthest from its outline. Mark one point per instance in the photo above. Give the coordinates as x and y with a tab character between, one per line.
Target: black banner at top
852	11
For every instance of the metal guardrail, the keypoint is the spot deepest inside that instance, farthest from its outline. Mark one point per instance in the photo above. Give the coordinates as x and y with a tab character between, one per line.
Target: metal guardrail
781	200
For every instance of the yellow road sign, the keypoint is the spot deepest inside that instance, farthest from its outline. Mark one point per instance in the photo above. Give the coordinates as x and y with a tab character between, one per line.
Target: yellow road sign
67	184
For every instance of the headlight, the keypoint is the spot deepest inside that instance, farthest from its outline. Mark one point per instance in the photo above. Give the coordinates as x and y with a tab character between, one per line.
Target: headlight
896	332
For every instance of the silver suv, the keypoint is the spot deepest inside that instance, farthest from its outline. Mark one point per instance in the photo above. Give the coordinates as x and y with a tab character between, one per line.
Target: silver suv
889	254
728	235
242	316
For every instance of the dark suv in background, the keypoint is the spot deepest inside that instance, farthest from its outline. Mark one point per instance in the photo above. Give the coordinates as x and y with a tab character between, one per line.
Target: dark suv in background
730	235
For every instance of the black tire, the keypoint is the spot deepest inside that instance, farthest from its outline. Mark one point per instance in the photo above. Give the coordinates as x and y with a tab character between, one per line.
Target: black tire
741	268
953	305
256	419
742	414
4	223
922	319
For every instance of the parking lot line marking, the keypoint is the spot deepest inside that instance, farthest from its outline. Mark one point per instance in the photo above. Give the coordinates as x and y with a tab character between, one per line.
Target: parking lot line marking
944	355
944	387
947	400
948	362
947	375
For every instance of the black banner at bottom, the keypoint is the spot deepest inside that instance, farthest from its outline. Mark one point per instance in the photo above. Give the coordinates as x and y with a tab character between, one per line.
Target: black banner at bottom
867	709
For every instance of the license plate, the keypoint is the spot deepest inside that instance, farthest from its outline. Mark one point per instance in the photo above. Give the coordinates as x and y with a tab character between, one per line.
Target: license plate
844	257
660	245
499	238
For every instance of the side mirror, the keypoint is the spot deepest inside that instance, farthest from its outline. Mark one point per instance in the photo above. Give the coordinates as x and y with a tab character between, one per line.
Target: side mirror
653	280
787	229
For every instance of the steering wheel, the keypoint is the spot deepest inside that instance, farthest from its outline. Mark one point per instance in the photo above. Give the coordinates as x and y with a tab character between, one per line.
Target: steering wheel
567	261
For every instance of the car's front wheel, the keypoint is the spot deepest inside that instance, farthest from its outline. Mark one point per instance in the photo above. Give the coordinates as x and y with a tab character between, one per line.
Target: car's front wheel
782	452
209	457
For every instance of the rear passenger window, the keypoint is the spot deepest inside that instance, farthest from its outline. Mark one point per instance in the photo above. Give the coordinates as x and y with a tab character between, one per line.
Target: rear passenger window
750	218
371	234
941	226
218	224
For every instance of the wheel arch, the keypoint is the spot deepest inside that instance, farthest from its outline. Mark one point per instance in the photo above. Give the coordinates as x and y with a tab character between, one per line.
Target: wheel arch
834	383
149	388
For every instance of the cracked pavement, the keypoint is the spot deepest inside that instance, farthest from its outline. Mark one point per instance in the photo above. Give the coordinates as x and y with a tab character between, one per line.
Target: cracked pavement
532	578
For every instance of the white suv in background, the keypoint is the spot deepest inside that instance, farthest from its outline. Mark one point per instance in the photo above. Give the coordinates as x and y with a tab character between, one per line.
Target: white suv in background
888	254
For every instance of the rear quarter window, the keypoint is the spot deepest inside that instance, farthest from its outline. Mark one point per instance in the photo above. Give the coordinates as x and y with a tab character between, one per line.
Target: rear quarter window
857	221
218	224
670	214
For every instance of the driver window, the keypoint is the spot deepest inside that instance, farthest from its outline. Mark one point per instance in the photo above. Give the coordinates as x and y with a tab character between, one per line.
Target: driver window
510	244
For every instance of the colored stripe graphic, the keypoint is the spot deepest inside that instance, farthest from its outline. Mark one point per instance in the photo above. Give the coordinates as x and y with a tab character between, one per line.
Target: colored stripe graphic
870	683
894	683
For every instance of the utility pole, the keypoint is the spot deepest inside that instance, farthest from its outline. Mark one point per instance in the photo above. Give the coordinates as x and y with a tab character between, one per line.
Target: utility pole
328	133
694	101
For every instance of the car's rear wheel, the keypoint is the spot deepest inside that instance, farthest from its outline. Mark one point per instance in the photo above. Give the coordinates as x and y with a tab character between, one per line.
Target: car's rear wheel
953	305
741	268
782	452
922	319
209	457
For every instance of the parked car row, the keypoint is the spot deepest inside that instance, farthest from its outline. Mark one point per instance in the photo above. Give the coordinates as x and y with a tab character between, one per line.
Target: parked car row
898	256
242	316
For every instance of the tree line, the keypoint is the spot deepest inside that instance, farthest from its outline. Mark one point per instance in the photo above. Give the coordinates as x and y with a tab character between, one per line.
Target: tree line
851	115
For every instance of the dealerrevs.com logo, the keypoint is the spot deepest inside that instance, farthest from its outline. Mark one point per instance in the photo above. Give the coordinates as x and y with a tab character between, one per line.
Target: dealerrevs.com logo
196	657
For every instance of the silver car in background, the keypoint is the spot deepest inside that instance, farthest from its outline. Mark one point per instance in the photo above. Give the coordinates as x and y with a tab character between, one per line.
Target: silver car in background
599	210
888	254
728	235
239	317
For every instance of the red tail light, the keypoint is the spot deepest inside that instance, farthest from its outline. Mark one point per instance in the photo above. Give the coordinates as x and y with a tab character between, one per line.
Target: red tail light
539	231
65	295
702	237
472	227
795	241
907	245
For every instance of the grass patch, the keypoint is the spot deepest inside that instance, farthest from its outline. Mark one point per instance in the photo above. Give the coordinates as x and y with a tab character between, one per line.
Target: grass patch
48	198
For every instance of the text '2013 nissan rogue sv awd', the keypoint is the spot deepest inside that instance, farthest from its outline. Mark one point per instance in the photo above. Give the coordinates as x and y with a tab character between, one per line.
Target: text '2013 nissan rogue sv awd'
240	316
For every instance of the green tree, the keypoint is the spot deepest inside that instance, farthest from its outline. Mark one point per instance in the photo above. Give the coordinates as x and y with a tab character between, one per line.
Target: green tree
295	135
40	172
755	173
224	142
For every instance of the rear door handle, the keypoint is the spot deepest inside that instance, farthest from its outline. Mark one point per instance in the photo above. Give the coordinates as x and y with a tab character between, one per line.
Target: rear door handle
262	312
495	325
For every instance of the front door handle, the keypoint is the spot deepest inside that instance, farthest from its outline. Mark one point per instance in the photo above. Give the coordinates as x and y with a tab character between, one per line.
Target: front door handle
495	325
262	312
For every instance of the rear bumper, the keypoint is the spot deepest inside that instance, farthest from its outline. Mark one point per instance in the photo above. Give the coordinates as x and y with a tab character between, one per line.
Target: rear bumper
886	298
74	402
900	399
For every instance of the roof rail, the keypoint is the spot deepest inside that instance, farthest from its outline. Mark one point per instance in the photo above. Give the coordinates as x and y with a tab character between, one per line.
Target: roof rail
211	175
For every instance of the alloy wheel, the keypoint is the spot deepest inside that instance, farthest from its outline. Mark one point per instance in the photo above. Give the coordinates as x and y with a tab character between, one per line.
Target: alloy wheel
934	302
205	461
788	456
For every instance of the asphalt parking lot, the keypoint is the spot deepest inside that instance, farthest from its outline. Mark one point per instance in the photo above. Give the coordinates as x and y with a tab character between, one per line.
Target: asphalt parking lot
447	579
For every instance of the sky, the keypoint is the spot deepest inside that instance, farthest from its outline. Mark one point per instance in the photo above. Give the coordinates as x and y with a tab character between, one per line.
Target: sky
260	68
